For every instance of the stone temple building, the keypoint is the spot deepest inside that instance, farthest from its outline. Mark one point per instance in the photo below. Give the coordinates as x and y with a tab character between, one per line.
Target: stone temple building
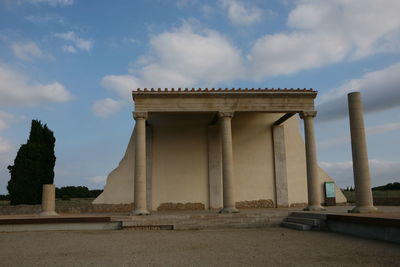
222	149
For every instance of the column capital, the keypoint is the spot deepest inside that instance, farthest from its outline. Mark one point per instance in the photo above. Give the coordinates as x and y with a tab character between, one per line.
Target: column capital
304	114
222	114
140	115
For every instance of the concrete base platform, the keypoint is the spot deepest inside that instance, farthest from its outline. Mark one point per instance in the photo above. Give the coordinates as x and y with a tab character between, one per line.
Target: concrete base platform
180	220
372	227
61	223
380	226
204	219
296	226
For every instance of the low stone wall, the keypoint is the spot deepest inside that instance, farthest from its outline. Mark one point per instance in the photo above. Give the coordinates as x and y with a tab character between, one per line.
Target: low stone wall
181	206
71	208
20	209
255	204
390	201
303	205
96	208
298	205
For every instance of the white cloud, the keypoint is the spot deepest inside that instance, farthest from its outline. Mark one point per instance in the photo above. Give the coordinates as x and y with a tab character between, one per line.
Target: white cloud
45	19
207	11
321	33
8	151
75	42
185	3
374	130
18	90
383	128
52	2
182	57
69	49
284	53
5	146
128	40
334	141
364	23
106	107
123	85
185	57
28	51
6	119
325	32
382	172
98	179
380	91
241	13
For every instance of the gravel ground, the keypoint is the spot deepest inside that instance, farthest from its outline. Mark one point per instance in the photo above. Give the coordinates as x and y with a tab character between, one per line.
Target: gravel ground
223	247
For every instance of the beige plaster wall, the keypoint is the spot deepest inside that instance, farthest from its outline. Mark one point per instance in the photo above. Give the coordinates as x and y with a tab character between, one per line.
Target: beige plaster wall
295	162
296	165
253	156
180	161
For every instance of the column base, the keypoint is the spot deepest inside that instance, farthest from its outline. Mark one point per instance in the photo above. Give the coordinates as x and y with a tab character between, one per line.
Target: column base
229	210
48	213
314	208
364	209
140	212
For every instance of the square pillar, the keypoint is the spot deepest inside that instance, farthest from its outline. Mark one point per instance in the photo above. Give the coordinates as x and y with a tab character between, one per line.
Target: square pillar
281	185
214	167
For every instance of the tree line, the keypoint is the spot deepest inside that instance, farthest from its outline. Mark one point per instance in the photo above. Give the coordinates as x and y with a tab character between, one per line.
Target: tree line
386	187
68	192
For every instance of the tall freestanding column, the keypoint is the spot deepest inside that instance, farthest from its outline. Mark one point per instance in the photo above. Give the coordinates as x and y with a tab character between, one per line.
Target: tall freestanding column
362	179
227	163
140	164
313	185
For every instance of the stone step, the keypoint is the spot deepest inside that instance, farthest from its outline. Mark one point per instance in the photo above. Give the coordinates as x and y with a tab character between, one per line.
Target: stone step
148	227
296	226
58	223
303	220
71	226
311	215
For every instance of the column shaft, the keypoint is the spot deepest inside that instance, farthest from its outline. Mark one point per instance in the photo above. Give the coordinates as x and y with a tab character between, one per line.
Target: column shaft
48	200
362	179
140	165
227	163
313	185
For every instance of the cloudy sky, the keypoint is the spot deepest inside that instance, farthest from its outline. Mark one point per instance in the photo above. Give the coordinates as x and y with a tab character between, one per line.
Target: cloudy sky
73	63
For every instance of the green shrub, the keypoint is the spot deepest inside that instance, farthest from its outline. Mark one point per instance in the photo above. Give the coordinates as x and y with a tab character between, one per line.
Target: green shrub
33	166
65	197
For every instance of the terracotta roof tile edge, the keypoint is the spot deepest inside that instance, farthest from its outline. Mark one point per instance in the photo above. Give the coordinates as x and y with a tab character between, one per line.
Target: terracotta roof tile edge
224	90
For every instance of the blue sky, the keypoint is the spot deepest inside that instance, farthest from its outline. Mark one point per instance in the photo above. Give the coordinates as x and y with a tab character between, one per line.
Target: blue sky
73	63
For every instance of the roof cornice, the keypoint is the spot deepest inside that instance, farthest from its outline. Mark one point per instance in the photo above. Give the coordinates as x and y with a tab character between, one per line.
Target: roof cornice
222	92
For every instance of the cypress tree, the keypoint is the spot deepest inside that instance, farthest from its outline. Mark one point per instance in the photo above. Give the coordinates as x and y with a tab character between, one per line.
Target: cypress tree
33	166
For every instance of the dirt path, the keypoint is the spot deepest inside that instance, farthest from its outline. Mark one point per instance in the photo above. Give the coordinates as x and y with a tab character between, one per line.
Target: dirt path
230	247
